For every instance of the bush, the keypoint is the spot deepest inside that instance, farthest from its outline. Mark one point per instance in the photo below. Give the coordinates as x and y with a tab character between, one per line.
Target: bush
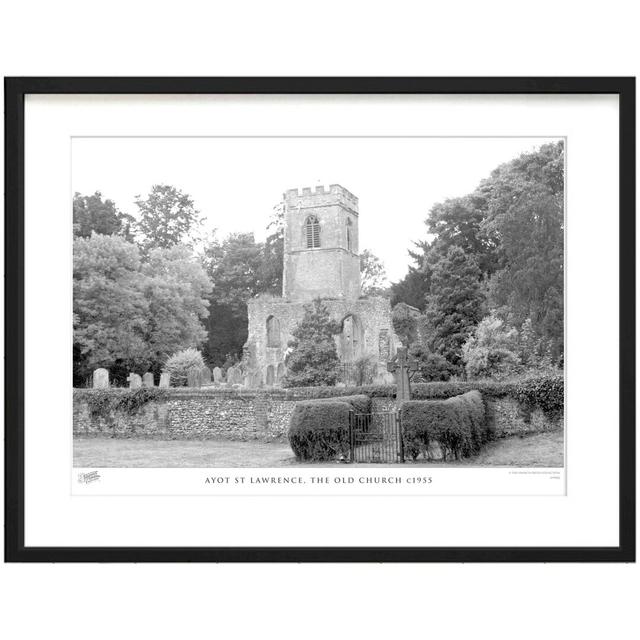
545	393
319	430
364	370
104	403
457	424
491	351
432	366
180	363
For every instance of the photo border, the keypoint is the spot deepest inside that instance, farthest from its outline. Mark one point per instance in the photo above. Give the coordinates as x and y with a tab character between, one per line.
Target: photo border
15	91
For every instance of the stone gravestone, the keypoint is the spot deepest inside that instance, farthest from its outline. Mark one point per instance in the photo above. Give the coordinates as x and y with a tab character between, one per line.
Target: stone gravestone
147	380
135	381
217	375
234	375
101	379
194	378
205	375
165	380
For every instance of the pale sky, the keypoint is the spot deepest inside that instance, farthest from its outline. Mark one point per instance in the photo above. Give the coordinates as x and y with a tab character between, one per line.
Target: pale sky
235	182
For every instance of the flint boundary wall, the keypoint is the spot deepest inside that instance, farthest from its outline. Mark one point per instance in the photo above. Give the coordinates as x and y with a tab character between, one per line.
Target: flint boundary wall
255	414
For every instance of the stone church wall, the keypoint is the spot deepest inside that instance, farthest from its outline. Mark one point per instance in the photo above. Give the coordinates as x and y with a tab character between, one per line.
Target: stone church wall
320	273
373	314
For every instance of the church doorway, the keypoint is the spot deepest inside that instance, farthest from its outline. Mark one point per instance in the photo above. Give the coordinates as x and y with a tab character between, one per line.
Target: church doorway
351	339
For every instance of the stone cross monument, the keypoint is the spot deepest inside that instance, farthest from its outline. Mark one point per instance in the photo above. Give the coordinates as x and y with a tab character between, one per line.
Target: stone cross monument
401	366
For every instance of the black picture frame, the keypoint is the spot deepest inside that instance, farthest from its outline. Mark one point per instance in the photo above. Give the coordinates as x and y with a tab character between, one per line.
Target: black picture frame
15	91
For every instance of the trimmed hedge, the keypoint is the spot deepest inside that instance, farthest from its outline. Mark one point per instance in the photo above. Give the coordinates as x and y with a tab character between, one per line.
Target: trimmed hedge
457	424
543	392
319	430
359	403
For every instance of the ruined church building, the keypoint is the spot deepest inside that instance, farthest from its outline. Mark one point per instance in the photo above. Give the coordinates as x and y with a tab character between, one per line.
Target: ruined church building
321	260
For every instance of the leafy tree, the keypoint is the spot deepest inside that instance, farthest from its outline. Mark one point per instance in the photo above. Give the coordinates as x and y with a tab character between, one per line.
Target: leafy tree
92	214
235	268
455	304
524	218
109	308
529	344
457	222
129	315
167	217
535	352
492	350
176	287
512	228
373	276
274	253
412	289
313	357
405	319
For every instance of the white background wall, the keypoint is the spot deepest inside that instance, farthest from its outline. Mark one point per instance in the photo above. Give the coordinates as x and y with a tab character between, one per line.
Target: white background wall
331	38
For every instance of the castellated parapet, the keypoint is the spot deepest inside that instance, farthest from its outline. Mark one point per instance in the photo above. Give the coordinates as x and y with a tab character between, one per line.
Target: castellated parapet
321	260
321	195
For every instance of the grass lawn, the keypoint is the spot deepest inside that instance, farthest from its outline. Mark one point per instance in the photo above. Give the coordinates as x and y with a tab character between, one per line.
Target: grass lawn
540	450
114	452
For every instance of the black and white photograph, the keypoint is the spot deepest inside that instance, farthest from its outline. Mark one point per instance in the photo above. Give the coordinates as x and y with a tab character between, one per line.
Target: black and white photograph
328	305
290	301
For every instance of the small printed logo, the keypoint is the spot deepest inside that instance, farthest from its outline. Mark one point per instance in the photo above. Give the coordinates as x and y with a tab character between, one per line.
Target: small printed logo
89	476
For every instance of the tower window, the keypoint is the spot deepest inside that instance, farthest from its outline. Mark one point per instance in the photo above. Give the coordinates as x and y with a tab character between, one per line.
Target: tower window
312	232
349	242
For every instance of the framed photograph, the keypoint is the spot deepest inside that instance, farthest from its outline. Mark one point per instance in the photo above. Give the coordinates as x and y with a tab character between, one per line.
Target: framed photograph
320	319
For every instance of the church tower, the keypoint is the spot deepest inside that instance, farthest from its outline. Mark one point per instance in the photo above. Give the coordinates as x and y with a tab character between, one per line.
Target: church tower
321	253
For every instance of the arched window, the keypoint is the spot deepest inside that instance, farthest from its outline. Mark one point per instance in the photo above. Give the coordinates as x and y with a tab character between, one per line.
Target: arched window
312	232
351	339
280	372
273	332
349	242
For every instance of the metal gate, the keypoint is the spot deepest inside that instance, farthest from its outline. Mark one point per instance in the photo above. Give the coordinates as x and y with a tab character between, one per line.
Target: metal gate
375	437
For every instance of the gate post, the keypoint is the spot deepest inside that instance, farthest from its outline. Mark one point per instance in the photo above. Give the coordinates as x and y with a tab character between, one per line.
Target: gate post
401	439
351	437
